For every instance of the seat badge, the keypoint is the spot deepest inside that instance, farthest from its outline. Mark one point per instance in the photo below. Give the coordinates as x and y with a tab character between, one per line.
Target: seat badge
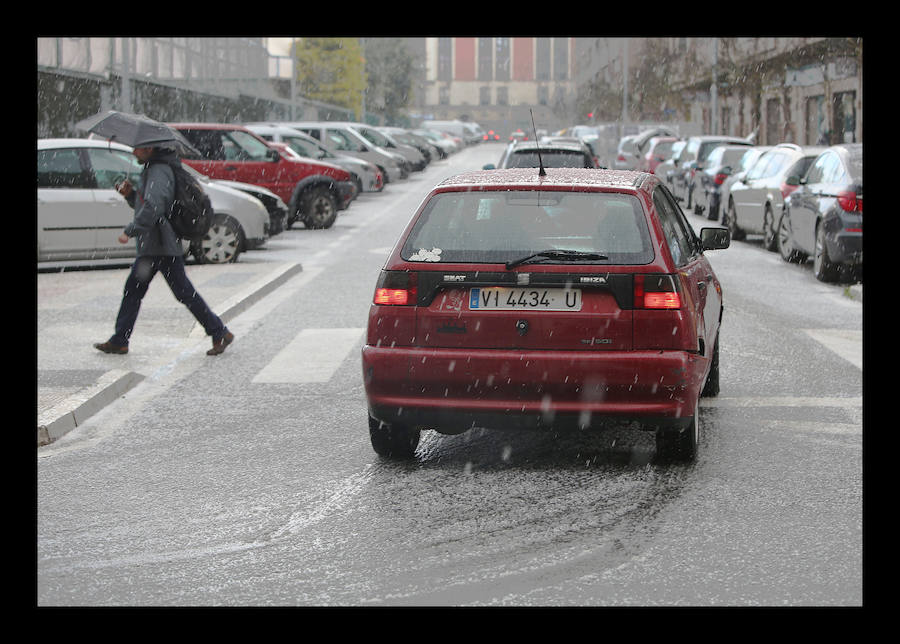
523	279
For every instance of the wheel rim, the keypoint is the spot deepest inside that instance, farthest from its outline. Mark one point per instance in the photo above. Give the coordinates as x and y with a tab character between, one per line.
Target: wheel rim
769	228
819	257
784	238
321	210
220	244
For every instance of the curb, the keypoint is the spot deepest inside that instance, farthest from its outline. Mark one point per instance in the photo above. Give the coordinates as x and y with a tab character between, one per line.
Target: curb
77	408
73	411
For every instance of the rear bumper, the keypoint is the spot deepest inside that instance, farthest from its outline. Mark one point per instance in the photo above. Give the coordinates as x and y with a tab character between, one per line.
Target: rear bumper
455	389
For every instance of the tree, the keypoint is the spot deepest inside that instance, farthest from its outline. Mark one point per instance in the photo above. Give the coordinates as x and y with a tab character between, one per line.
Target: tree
331	70
389	69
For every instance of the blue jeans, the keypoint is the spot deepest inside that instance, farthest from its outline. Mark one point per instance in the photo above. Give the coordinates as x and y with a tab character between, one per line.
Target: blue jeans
142	272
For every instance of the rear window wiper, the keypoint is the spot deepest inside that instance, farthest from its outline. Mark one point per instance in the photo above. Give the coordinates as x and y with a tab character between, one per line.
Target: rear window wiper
564	255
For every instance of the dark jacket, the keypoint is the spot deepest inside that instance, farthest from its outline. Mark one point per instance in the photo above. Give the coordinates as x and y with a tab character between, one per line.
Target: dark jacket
151	200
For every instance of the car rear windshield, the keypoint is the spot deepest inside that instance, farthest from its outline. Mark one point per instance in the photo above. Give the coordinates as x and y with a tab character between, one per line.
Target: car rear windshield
495	227
550	159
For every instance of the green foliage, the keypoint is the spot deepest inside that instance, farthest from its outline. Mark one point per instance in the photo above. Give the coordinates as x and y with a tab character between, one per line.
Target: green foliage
331	70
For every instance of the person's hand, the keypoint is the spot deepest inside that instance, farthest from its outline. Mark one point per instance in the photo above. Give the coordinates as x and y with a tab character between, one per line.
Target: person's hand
123	238
124	188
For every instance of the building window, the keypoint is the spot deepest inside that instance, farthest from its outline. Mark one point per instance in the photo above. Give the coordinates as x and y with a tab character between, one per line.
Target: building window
816	123
773	121
501	59
844	111
542	59
444	96
502	96
445	59
484	95
485	59
561	59
543	95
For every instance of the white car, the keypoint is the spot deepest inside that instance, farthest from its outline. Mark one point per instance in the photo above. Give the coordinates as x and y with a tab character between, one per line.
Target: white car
80	215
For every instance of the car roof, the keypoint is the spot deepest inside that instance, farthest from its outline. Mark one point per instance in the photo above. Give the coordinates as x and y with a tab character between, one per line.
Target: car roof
530	178
209	126
45	144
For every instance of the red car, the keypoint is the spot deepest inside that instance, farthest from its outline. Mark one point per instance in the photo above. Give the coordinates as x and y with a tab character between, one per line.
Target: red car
566	300
314	191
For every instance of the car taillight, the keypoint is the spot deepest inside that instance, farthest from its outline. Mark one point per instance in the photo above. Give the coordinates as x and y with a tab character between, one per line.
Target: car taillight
396	288
656	292
849	201
720	178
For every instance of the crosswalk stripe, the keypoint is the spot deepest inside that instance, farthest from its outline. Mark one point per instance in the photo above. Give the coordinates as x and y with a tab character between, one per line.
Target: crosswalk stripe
312	356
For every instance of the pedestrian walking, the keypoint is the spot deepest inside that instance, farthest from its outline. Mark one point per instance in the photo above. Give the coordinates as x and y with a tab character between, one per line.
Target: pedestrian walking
158	250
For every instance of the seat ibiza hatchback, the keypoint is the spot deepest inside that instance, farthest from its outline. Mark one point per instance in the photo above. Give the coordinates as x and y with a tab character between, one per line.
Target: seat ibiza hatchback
573	298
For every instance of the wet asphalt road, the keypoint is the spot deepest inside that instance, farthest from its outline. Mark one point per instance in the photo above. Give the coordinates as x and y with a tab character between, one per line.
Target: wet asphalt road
207	485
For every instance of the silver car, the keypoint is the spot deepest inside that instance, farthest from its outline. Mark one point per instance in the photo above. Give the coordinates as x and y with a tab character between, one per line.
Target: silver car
385	141
80	214
757	200
342	139
367	176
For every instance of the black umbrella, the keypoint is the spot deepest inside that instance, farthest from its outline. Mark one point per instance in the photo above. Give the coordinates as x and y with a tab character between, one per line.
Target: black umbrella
137	131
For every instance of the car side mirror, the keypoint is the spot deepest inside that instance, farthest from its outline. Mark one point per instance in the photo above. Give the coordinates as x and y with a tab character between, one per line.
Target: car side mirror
793	180
489	166
715	238
272	155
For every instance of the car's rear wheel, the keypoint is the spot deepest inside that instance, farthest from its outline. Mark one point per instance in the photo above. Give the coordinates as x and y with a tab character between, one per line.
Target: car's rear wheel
222	244
785	241
393	440
711	388
770	232
730	221
679	445
824	269
319	208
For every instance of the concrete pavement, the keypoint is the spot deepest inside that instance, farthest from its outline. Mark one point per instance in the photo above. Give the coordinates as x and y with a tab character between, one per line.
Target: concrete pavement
76	308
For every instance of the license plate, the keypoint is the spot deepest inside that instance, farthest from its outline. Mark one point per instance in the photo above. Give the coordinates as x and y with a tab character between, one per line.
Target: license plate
534	299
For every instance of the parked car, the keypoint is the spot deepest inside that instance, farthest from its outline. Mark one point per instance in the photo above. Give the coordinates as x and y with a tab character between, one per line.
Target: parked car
823	215
430	151
626	154
667	168
274	205
341	139
455	128
491	136
414	159
366	175
441	139
313	191
751	155
658	149
691	160
756	201
573	299
552	154
80	214
719	165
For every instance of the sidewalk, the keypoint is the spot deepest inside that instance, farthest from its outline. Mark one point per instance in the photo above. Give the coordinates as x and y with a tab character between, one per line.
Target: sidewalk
77	308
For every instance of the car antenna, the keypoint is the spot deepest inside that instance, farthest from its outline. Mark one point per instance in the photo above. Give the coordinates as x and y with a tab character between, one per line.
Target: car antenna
541	171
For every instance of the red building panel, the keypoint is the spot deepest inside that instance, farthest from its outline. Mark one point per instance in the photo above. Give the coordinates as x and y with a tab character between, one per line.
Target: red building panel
523	59
465	59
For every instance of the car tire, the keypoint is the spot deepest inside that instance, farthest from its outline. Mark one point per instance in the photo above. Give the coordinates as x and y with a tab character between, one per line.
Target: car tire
770	233
222	244
730	221
785	241
393	440
823	268
711	387
319	208
679	445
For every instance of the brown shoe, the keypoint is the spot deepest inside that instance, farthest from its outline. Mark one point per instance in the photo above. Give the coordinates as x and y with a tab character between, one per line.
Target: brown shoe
108	347
220	344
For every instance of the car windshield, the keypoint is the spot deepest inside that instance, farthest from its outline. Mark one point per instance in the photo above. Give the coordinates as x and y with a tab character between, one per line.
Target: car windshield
500	227
550	159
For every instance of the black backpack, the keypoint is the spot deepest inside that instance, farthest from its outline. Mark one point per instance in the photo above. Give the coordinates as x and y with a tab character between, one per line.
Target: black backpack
191	214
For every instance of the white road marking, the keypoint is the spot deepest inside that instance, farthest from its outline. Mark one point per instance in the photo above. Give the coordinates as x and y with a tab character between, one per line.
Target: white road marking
312	356
847	343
